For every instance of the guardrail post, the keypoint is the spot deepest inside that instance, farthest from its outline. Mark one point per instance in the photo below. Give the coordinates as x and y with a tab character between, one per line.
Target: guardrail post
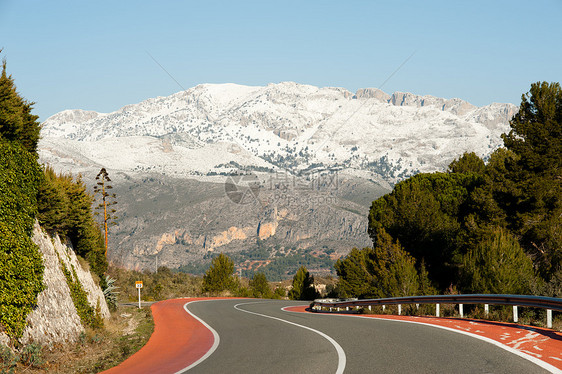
418	306
530	301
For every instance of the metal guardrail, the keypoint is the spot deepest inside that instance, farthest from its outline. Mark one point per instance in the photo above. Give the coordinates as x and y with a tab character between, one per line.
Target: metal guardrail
548	303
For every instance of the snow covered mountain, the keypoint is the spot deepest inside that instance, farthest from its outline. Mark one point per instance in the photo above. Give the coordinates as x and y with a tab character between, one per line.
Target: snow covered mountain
313	160
209	128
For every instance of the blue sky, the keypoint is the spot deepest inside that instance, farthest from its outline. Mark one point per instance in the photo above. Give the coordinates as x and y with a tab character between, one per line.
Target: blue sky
93	55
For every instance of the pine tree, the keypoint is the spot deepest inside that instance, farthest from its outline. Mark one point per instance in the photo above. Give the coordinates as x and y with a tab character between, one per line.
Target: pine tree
107	201
303	286
498	265
536	130
53	204
535	196
425	214
65	208
354	278
385	270
220	275
260	287
468	163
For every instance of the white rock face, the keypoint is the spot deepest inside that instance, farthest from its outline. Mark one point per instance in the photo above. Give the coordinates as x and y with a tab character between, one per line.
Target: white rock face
4	340
93	291
287	125
55	319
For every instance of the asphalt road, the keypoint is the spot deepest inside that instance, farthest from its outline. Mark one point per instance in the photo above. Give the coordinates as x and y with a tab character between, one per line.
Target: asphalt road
259	337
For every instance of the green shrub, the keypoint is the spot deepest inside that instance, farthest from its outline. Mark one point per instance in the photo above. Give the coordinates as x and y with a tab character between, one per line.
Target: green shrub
31	355
8	360
21	266
88	315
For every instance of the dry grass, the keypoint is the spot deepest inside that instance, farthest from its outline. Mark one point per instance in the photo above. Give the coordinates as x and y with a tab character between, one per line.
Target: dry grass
127	330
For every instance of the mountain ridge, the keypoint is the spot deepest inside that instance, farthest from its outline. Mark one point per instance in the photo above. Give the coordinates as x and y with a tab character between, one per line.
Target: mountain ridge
171	159
315	125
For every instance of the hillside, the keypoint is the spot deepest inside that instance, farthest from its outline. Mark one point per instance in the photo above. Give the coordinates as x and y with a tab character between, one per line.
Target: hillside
312	159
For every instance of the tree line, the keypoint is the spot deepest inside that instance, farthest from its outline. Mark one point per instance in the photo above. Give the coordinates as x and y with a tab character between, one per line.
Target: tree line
483	226
220	279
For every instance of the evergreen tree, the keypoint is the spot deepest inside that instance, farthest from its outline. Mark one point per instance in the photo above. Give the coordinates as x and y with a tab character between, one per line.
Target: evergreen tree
536	130
17	123
536	174
498	265
383	271
53	203
260	287
220	275
354	277
466	220
21	266
425	213
65	208
468	163
303	286
393	270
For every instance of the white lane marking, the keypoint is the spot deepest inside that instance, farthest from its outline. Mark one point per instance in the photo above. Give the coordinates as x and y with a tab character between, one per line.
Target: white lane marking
215	336
534	360
339	349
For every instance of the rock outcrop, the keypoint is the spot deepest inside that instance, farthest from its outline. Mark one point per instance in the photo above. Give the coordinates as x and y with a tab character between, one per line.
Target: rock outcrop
55	319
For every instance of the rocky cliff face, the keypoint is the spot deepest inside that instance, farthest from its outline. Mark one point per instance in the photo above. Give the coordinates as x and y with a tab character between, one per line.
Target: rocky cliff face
55	319
176	222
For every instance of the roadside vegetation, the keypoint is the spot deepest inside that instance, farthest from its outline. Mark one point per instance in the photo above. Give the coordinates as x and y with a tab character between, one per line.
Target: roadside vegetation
61	204
484	226
28	192
128	330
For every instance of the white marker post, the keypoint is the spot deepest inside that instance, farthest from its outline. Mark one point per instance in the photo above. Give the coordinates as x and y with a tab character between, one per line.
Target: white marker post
138	284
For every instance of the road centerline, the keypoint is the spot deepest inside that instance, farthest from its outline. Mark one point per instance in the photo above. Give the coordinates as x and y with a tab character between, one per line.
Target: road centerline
341	354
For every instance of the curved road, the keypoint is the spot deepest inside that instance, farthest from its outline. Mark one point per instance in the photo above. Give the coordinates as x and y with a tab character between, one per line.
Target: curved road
256	336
